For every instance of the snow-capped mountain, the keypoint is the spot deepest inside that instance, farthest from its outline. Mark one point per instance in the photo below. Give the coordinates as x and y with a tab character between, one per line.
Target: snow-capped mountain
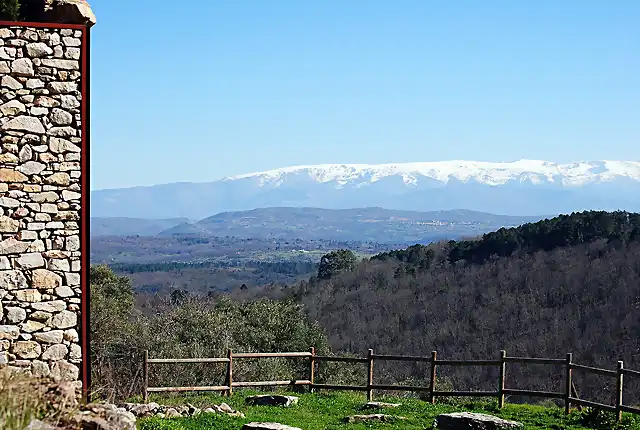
525	187
533	171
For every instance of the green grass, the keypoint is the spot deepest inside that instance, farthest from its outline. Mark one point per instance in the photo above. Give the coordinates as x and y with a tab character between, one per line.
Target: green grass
326	411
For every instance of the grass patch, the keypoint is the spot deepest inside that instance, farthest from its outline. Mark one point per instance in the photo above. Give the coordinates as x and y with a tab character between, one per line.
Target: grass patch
326	411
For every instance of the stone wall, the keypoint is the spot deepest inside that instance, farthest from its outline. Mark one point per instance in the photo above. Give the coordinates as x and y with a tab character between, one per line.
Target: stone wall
40	154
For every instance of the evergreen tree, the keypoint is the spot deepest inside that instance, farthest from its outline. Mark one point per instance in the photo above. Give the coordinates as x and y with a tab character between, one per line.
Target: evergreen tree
335	262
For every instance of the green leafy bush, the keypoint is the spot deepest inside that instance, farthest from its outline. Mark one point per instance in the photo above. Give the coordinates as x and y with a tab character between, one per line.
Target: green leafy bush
191	327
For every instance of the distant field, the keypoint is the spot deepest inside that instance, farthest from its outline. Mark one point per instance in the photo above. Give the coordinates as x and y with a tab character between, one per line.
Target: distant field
326	411
233	250
206	264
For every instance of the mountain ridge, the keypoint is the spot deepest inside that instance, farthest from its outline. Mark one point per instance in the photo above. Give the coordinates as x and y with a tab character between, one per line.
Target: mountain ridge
443	171
618	165
521	188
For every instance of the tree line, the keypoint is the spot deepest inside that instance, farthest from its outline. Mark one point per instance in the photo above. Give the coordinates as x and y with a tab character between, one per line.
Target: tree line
293	268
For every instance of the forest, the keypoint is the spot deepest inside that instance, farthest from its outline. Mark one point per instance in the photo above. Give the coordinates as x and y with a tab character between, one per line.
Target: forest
566	284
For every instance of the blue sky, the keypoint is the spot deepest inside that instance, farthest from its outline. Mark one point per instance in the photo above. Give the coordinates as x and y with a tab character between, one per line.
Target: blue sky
215	88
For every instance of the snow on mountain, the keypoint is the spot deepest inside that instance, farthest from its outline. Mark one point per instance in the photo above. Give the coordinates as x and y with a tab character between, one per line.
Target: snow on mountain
533	171
525	187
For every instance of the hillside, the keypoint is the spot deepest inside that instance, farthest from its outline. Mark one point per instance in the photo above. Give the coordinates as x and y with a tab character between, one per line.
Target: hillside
571	283
362	225
522	187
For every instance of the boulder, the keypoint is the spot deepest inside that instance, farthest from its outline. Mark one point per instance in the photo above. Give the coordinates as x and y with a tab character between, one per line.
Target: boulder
272	400
268	426
472	421
373	418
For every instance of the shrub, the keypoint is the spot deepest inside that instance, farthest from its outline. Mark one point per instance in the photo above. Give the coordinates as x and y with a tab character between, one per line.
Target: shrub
9	10
191	327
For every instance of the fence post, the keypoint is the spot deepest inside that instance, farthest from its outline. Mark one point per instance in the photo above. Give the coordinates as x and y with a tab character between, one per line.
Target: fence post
145	377
568	384
432	380
230	372
370	376
503	368
619	391
312	369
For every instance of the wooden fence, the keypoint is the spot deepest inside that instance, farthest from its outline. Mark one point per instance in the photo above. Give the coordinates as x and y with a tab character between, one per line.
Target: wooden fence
569	395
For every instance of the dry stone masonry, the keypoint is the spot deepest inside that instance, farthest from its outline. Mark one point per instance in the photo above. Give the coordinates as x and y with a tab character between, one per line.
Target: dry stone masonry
40	142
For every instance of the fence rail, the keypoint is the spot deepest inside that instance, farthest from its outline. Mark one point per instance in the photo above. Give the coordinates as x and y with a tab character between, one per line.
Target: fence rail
569	396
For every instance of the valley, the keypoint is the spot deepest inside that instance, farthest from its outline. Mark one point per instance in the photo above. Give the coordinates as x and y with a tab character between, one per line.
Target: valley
266	246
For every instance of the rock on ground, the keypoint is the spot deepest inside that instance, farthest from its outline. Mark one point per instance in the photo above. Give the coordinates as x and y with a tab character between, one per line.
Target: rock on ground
172	413
106	416
472	421
268	426
380	405
142	410
39	425
372	418
272	400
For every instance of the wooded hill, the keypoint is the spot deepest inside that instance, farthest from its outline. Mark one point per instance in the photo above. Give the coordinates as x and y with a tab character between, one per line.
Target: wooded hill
567	284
